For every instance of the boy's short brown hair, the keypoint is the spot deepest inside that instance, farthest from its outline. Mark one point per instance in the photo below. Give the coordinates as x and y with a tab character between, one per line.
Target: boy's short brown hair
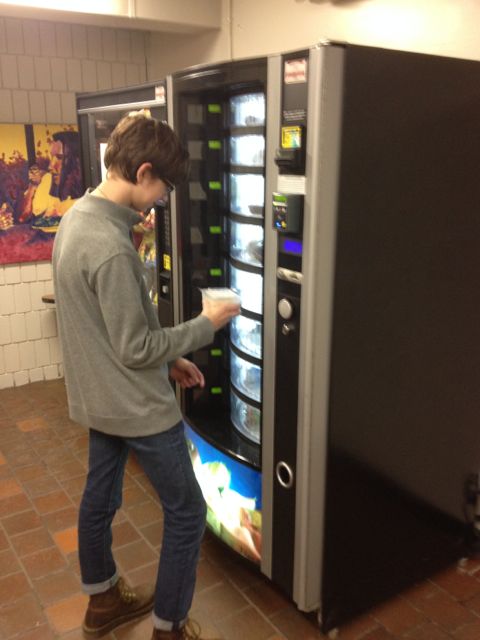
139	138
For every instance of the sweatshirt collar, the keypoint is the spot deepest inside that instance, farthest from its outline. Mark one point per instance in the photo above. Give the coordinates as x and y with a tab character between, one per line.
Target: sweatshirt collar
118	211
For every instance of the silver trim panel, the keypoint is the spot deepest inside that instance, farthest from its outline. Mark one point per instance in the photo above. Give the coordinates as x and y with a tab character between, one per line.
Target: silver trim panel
322	171
269	312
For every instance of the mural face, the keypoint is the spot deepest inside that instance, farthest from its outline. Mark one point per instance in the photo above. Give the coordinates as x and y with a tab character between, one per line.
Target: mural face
40	179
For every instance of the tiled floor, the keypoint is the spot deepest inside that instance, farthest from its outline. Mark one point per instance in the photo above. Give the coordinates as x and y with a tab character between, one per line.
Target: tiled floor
42	470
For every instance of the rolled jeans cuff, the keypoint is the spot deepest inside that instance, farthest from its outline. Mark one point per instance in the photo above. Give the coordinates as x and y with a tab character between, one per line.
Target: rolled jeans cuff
100	587
167	625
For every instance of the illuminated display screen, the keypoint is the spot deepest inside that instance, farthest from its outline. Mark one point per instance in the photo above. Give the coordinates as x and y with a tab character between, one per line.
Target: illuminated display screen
233	493
291	246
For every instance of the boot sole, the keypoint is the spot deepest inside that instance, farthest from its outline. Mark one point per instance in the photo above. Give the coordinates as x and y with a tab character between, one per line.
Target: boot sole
95	632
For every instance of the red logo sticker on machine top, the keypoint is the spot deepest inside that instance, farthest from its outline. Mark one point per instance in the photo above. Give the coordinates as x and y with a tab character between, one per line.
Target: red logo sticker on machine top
295	71
160	94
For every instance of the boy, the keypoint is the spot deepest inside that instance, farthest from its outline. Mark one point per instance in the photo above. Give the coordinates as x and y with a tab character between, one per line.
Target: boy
116	359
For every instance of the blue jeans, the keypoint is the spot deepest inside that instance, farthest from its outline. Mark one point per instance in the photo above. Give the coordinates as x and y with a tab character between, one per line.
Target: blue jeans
166	462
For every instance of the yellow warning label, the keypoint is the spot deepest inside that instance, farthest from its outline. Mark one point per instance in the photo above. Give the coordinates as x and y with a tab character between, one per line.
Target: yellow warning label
291	137
167	262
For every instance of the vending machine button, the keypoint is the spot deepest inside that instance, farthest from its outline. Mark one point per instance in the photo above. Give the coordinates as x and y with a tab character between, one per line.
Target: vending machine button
285	309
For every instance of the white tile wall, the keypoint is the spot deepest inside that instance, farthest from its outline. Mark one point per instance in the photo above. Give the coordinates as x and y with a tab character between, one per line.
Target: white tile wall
42	65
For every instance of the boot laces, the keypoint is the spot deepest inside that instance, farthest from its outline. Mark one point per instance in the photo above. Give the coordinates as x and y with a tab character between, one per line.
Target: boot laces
191	630
126	593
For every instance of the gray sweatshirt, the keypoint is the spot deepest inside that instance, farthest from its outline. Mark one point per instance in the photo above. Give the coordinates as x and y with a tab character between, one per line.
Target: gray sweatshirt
115	352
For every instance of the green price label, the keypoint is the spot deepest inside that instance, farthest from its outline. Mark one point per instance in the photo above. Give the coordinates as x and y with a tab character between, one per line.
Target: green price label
216	391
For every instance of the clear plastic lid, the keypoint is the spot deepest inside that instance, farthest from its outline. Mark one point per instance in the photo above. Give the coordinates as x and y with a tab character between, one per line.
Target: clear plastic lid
221	294
245	418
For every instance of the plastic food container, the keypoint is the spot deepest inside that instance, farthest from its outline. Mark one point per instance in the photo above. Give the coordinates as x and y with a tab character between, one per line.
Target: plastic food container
221	294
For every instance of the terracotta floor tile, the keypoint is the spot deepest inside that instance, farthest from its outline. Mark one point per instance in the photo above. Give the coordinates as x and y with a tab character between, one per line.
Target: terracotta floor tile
428	631
15	504
67	540
207	575
124	533
295	626
153	533
247	623
2	459
52	502
458	584
42	632
34	472
133	466
8	488
32	424
21	616
378	634
8	563
42	473
3	541
220	601
43	562
469	632
24	521
58	586
357	628
144	575
266	597
40	486
62	519
135	555
445	612
75	486
145	513
398	616
69	470
13	587
27	456
67	614
32	541
134	495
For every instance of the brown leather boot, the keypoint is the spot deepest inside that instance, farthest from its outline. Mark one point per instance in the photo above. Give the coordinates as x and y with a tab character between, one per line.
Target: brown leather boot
191	631
119	604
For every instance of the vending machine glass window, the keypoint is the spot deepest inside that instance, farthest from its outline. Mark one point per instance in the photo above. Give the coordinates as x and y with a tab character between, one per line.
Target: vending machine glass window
221	225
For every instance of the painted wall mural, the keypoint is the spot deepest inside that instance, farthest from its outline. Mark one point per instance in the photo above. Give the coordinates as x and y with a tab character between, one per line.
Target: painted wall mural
40	179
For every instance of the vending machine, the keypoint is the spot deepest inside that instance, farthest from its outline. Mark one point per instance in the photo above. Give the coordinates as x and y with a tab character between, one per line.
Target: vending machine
98	113
336	190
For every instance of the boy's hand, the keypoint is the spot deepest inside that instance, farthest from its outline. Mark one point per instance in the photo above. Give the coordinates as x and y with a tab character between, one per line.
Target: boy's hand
219	312
186	374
